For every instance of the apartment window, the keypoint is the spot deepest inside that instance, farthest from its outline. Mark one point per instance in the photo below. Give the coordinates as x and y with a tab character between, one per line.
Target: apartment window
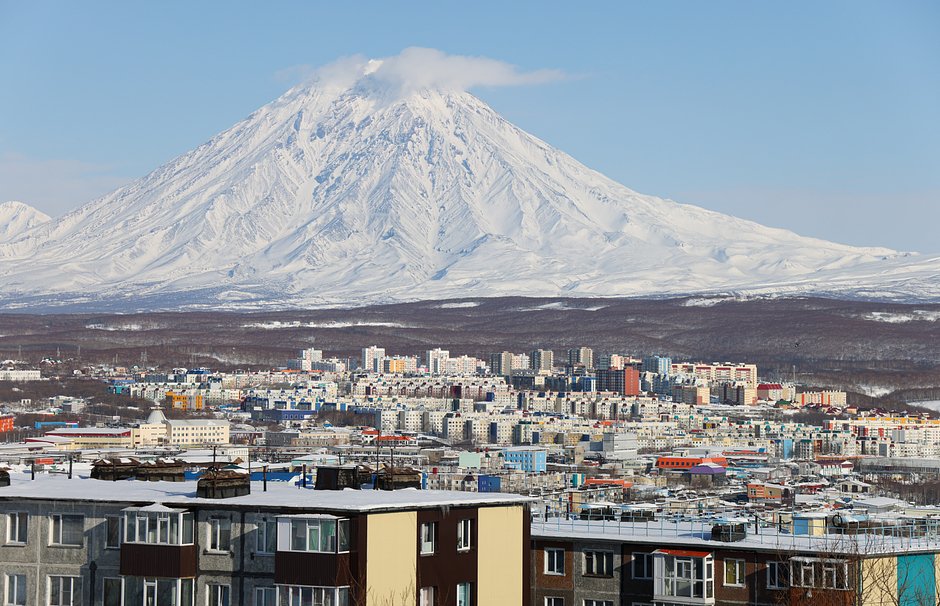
113	591
304	595
802	572
426	597
734	573
428	538
464	534
113	530
598	603
835	574
642	566
265	596
168	592
682	576
777	575
170	527
599	563
15	592
319	535
64	591
220	535
17	527
266	537
554	561
554	601
463	594
220	595
68	530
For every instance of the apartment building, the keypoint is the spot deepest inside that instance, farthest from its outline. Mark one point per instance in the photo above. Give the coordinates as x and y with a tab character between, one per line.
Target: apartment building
99	543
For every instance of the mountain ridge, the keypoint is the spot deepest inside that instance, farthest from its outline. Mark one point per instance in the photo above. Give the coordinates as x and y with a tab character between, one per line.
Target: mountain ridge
361	193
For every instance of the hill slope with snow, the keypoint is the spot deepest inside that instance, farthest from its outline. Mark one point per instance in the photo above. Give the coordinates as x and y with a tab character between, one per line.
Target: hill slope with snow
358	193
16	218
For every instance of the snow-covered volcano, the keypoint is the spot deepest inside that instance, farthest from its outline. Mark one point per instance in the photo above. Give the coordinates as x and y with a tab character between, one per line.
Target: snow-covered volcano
17	218
363	192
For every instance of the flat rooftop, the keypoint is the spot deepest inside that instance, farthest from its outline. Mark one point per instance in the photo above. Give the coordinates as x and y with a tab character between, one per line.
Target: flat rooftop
282	496
922	537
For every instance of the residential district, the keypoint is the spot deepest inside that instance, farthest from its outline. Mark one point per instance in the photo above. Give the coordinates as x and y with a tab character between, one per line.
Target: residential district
518	480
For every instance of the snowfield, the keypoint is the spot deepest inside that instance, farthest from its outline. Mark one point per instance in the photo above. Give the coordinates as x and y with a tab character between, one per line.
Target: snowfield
358	194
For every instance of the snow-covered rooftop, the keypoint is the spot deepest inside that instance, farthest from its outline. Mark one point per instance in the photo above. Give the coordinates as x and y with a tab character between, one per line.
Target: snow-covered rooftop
280	495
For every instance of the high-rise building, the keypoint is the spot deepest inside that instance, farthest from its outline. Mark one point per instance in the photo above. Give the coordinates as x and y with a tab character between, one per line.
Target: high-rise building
542	360
661	365
581	356
501	363
372	358
625	381
437	361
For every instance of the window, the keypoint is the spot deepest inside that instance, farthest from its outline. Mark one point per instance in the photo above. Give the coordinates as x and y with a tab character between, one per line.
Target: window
802	573
313	596
113	591
428	538
464	534
598	603
17	527
220	595
734	573
64	591
15	592
554	561
682	576
835	574
166	592
68	530
173	527
426	597
220	535
319	535
113	530
777	575
266	537
463	594
599	563
642	566
553	601
265	596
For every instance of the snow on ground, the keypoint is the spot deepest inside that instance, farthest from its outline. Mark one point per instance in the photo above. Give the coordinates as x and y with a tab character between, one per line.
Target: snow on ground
278	325
916	315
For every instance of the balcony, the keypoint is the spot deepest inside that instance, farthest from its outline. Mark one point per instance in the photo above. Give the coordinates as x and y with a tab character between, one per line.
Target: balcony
683	577
314	550
158	543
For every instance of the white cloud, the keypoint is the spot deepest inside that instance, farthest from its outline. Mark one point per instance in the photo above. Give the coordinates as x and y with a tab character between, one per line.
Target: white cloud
54	186
421	68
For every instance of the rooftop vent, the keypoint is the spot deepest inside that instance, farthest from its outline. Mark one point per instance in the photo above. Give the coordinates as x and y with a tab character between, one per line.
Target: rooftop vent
220	484
4	478
342	476
729	531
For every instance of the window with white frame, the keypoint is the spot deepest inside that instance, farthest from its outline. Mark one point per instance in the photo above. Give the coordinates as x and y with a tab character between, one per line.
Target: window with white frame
426	596
265	596
167	592
112	528
428	538
777	575
554	560
68	529
464	534
682	575
734	572
642	566
598	563
15	590
161	526
219	595
598	602
325	534
464	594
554	601
220	534
113	592
266	536
17	527
823	573
303	594
64	591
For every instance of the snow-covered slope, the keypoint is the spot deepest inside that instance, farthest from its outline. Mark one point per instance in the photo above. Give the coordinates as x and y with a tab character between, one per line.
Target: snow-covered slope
363	193
16	218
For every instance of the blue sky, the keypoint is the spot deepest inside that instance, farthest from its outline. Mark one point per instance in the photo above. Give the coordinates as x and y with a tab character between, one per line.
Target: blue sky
820	117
